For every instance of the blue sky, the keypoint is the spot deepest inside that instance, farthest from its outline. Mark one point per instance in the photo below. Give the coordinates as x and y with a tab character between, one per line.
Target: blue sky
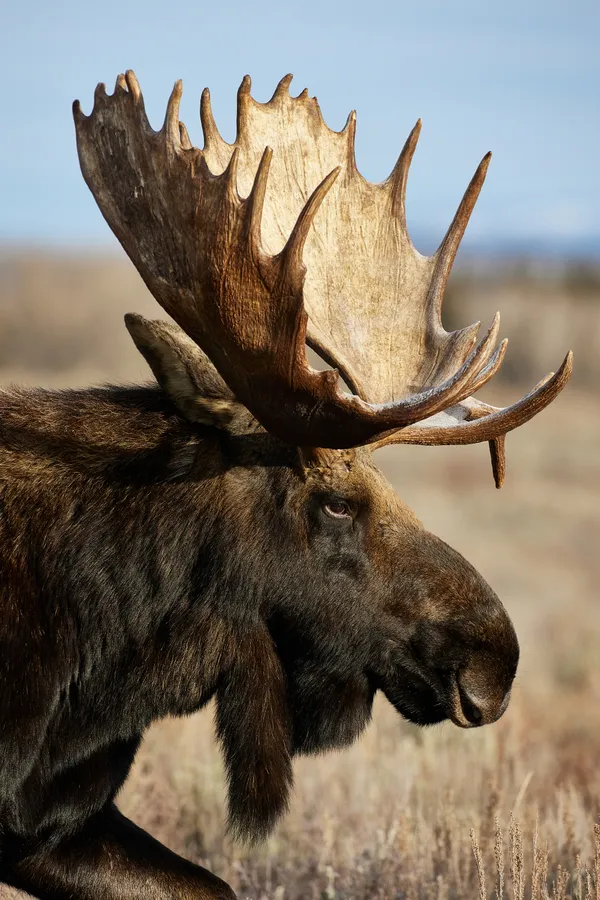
519	78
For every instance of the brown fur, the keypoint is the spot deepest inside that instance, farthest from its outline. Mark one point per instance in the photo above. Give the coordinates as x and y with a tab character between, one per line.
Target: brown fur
152	560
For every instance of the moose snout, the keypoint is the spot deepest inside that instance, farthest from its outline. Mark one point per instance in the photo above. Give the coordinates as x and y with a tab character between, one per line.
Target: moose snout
471	705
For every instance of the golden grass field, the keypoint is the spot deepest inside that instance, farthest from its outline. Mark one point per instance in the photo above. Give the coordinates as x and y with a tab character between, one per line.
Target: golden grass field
508	811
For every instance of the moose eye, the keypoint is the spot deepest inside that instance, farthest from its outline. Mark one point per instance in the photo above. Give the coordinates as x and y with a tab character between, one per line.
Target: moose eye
337	509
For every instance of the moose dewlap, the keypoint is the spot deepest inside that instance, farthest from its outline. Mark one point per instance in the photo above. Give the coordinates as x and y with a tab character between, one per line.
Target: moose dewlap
224	532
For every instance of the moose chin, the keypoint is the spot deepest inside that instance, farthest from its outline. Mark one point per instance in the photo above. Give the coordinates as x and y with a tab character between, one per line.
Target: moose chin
224	533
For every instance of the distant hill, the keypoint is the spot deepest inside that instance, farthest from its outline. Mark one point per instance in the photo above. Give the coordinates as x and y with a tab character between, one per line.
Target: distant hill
61	314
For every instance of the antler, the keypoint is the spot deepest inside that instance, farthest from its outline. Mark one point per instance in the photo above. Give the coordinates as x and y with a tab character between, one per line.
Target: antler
221	236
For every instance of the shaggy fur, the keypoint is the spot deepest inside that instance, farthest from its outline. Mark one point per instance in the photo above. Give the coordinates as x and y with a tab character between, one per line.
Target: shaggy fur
150	561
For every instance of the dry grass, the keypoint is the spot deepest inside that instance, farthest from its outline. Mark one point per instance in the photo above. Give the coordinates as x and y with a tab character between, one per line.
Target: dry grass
60	315
395	817
508	811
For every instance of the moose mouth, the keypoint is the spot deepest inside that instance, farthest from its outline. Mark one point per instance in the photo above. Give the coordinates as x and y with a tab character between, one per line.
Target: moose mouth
468	710
417	700
463	710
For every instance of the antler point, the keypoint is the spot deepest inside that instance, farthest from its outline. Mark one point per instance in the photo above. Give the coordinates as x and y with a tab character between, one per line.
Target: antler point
171	123
295	243
257	195
399	175
133	318
283	87
133	84
566	368
483	166
285	82
230	173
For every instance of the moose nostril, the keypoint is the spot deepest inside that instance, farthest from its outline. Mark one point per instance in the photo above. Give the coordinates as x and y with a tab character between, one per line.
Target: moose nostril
470	707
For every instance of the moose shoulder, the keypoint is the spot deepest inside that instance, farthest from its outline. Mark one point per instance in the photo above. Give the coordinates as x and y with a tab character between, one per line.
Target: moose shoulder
225	534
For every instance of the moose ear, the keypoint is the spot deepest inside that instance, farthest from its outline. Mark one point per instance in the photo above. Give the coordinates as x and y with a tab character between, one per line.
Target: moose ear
183	371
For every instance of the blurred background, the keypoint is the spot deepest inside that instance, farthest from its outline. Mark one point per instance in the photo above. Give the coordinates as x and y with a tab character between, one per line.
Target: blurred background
400	813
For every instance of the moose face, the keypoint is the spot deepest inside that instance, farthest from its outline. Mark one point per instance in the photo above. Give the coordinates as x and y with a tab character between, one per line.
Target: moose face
375	601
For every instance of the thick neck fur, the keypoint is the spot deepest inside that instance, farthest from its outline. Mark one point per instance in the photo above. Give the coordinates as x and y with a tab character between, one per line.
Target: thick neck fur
126	586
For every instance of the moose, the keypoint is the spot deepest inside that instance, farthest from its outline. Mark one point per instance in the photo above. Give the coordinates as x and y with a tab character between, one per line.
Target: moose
224	533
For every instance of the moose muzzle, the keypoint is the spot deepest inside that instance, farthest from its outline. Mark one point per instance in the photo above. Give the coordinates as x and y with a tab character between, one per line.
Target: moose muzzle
472	702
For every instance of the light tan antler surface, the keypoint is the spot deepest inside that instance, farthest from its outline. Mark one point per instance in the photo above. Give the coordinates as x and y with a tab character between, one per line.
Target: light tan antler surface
373	301
230	270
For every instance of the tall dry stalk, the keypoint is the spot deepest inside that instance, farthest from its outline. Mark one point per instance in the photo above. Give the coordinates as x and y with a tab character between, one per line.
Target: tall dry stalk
479	865
499	859
597	860
517	868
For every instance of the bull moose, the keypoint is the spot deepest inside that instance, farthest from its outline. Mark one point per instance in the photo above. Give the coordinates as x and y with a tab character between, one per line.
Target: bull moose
224	533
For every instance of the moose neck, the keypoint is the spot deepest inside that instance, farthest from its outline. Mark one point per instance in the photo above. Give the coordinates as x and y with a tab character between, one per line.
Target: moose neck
125	545
129	528
126	512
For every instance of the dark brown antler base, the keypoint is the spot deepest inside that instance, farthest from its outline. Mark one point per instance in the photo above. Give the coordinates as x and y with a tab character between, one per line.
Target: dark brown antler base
113	859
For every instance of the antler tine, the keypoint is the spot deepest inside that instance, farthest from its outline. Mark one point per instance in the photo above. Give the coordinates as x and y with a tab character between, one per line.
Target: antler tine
210	132
498	458
488	371
349	130
99	93
256	200
295	243
245	87
133	85
488	427
399	176
485	374
184	137
446	252
282	88
231	174
460	385
171	123
244	100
